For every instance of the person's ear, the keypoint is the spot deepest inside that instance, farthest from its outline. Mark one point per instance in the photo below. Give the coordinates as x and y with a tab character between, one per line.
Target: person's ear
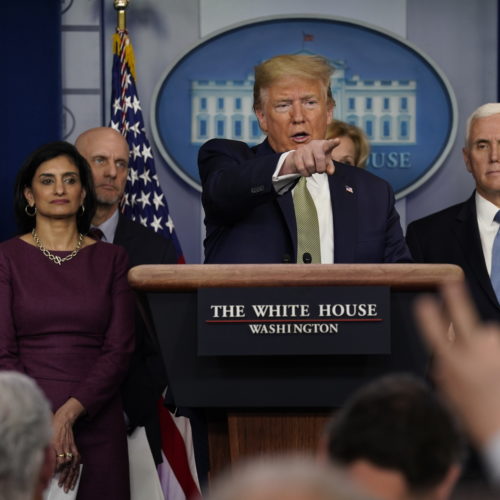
262	120
28	194
82	197
330	106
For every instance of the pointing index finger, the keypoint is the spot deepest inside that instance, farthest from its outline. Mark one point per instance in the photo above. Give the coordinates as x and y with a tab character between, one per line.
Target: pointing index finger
330	144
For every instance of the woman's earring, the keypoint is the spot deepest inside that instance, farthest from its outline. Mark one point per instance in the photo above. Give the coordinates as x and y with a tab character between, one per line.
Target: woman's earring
28	212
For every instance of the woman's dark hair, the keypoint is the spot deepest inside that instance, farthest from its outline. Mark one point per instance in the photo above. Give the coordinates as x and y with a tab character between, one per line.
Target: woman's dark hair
27	172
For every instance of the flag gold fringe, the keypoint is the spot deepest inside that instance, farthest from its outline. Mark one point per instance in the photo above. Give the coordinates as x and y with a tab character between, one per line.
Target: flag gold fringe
129	52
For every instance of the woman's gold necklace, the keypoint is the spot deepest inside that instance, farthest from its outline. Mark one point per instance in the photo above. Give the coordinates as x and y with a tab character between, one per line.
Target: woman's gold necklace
55	258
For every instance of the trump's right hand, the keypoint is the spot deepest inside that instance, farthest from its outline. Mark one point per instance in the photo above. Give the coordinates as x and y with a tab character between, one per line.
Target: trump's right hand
311	158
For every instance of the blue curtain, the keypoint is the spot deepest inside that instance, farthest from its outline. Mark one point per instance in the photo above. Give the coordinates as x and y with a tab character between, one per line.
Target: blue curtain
30	90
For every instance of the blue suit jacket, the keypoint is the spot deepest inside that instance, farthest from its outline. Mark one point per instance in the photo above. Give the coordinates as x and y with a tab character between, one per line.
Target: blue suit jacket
248	222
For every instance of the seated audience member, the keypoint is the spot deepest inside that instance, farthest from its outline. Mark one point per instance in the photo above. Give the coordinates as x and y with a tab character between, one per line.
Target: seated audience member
272	202
27	460
397	440
353	148
466	366
466	234
283	478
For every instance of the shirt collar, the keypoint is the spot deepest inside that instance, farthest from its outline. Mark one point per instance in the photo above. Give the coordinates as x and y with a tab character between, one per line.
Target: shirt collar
486	210
108	227
318	179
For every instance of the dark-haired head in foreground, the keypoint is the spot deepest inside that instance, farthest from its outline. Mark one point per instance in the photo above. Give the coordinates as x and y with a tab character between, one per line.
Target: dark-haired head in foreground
398	440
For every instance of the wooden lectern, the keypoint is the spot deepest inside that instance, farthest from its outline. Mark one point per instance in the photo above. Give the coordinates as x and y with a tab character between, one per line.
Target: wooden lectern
258	404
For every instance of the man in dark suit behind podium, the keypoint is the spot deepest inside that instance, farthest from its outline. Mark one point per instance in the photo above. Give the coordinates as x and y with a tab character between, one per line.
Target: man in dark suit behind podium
249	192
107	152
464	234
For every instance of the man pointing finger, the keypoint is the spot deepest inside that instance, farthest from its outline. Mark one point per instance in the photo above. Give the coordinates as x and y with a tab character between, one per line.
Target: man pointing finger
257	210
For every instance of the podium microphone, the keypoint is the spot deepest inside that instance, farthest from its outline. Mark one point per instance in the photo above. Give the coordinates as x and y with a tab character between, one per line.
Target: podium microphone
286	258
306	258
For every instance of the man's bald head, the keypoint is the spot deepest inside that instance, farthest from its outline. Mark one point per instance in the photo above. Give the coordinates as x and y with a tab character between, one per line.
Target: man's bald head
107	153
88	138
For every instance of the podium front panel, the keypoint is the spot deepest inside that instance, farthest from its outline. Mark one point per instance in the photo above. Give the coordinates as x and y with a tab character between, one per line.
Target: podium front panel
274	381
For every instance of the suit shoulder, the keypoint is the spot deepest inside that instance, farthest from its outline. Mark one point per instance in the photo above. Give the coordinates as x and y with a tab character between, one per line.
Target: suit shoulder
144	245
437	220
144	233
223	145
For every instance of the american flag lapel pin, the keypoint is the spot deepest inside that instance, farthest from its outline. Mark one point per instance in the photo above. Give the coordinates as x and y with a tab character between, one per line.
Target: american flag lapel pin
349	189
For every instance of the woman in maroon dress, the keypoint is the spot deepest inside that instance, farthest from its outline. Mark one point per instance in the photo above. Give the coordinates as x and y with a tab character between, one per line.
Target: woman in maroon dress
66	319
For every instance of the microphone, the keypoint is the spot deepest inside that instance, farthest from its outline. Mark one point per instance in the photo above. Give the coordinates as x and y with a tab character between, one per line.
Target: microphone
306	258
286	258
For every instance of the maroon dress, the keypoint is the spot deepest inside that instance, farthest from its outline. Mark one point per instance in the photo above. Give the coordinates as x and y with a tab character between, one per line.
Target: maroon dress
70	327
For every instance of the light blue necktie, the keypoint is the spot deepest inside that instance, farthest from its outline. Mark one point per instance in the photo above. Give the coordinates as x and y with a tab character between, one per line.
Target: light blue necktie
495	260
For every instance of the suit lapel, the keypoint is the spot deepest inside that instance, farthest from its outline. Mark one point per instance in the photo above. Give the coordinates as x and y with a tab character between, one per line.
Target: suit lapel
285	201
467	232
122	233
263	149
343	197
345	214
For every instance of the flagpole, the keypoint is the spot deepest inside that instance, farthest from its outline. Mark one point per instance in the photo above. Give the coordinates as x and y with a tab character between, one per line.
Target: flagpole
121	7
177	471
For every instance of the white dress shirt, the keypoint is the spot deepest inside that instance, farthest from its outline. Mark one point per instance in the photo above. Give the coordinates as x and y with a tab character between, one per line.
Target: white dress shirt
108	228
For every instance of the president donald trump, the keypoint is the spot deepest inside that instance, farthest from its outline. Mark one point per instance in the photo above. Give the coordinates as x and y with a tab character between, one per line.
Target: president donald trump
285	200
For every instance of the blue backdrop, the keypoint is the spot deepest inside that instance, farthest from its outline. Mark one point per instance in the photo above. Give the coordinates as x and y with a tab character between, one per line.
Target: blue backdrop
30	90
370	54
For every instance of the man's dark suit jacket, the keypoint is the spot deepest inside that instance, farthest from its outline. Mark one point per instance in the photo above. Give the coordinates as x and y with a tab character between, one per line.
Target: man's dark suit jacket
248	222
451	236
146	378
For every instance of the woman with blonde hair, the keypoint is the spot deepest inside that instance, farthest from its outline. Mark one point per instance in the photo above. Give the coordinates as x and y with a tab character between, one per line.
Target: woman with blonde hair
353	148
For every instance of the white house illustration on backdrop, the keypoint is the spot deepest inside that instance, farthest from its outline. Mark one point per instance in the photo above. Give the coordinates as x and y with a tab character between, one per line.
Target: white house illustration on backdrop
384	109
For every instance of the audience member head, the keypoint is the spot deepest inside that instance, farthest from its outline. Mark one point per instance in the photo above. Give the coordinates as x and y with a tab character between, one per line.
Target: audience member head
107	153
354	147
482	152
26	216
293	100
26	457
398	440
283	478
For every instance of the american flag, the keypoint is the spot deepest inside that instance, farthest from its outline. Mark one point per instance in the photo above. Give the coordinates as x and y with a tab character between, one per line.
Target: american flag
144	200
